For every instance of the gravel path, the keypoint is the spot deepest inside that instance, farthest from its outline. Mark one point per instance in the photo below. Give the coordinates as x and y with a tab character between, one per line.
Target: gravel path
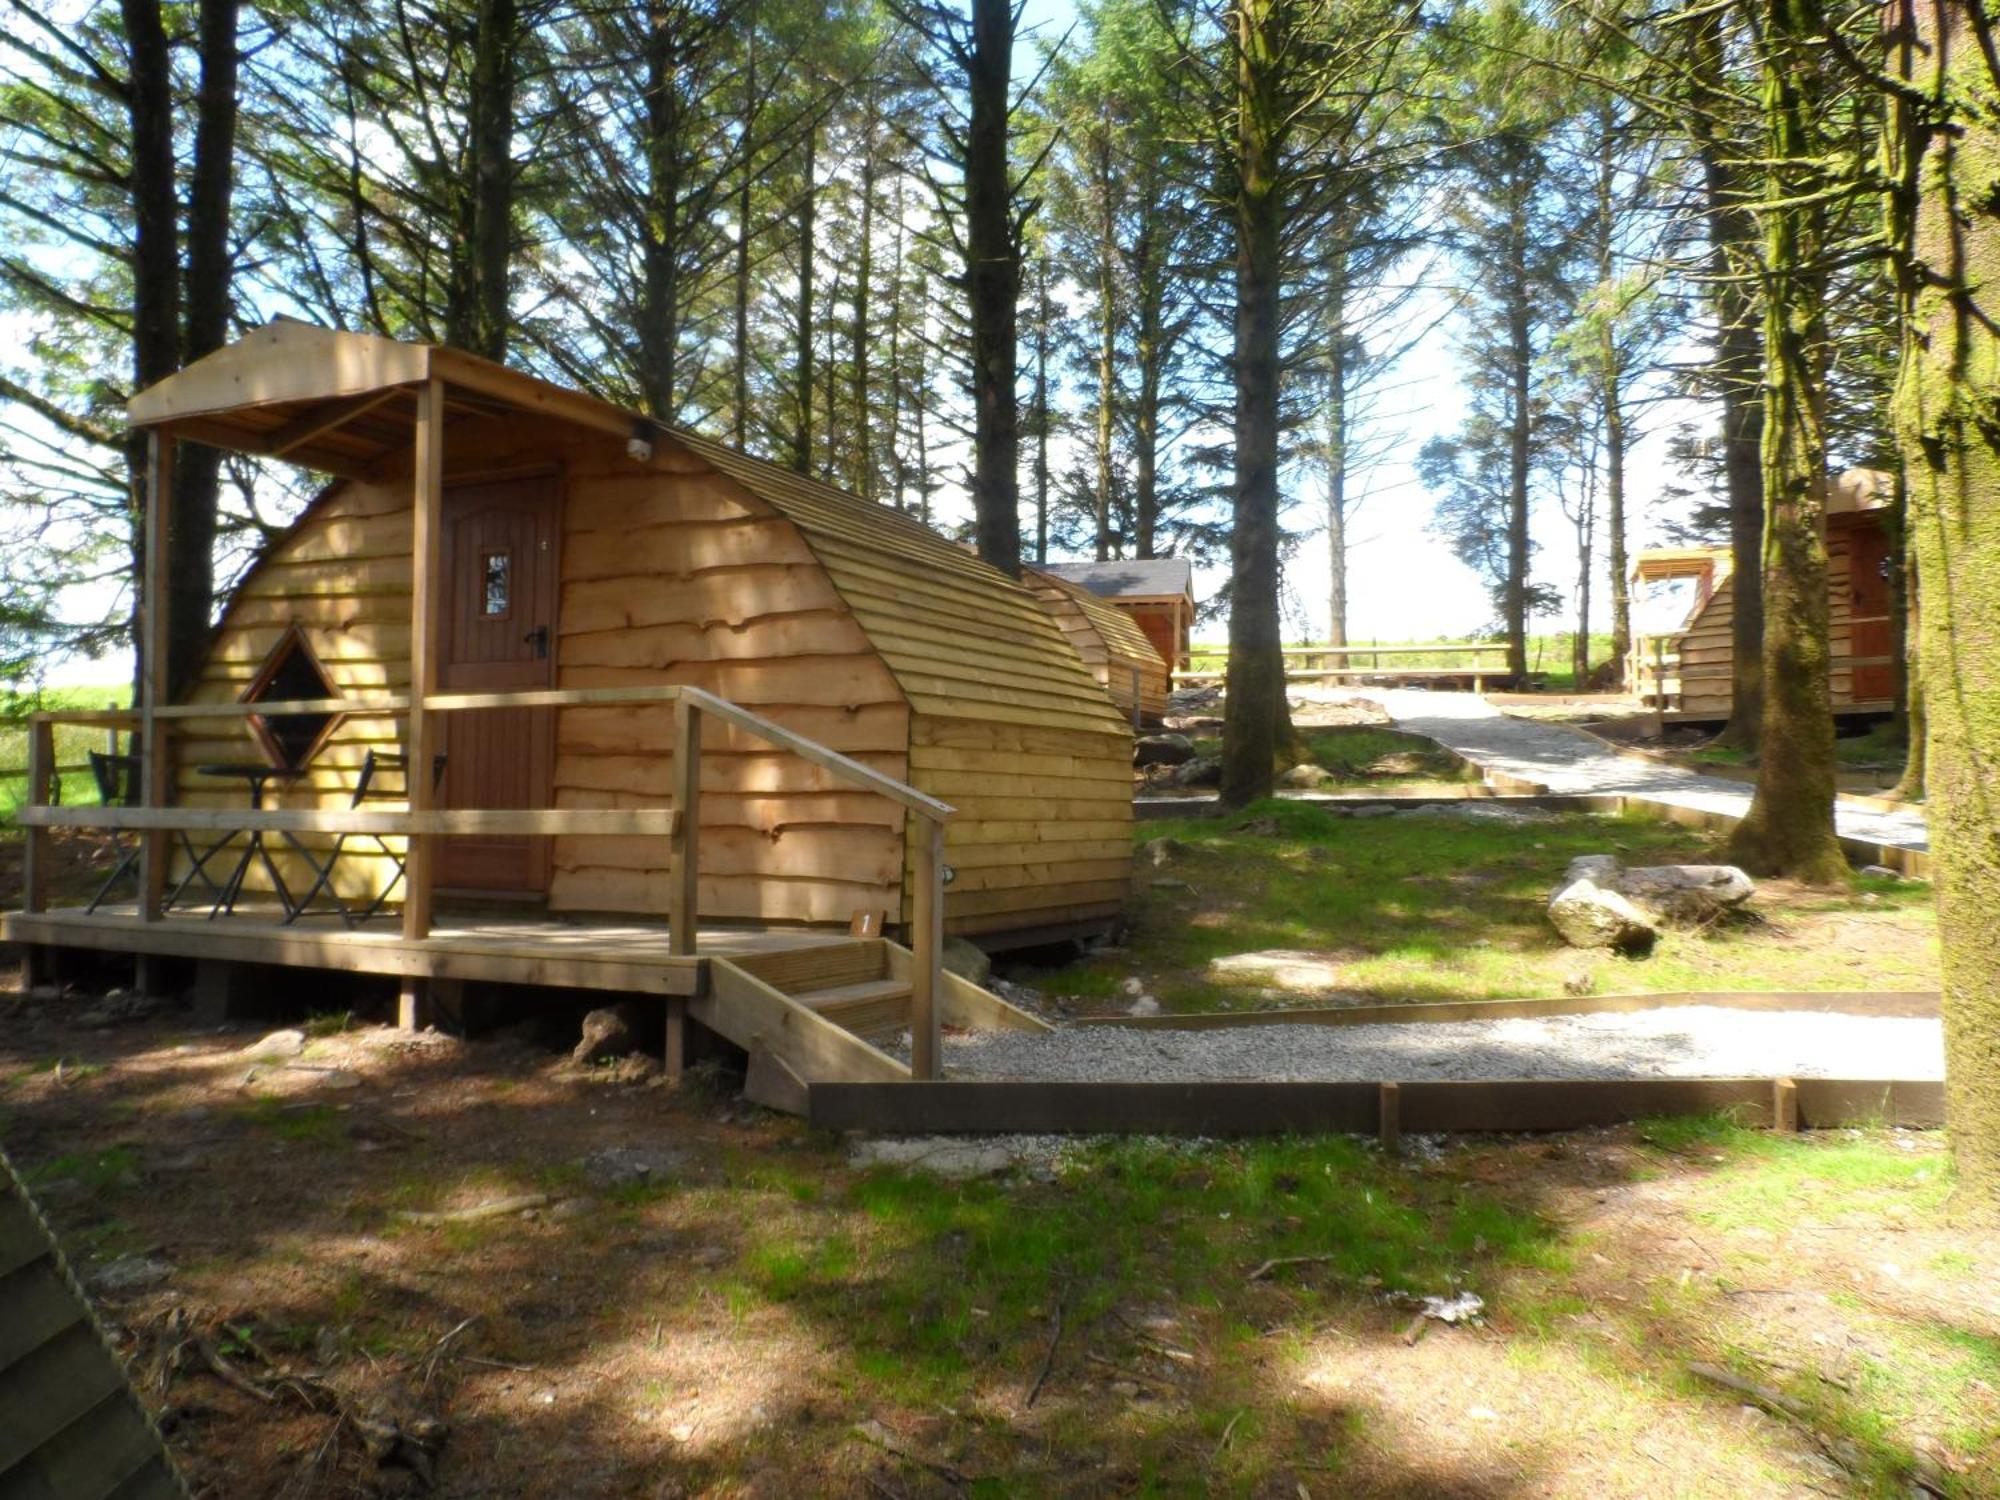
1571	763
1695	1041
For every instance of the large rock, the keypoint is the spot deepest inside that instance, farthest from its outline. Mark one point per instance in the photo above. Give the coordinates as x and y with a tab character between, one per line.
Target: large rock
1162	750
1688	894
1681	895
608	1033
1201	771
967	960
1306	776
1590	916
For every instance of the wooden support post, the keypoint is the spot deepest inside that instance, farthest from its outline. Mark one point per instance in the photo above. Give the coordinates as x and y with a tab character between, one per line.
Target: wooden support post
411	1005
1389	1118
675	1060
156	773
1660	687
35	851
427	596
1785	1106
684	895
926	943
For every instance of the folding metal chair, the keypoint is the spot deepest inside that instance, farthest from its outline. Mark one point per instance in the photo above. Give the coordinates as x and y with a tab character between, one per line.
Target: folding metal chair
369	787
120	783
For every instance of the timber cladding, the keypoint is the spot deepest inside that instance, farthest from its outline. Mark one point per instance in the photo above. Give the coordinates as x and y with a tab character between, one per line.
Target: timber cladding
847	622
1111	644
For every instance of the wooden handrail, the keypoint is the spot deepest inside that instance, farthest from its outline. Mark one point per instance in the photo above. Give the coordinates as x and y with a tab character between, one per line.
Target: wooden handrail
866	777
598	822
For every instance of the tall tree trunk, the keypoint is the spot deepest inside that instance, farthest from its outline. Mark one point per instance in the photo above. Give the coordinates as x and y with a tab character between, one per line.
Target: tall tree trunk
1336	447
1148	353
658	332
1789	828
739	416
1737	368
1520	448
1611	397
156	283
802	320
863	400
210	280
899	468
1579	652
1107	335
1951	451
993	279
1042	315
476	315
1255	726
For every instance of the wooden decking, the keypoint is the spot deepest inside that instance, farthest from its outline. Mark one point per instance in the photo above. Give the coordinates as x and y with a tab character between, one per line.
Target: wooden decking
633	957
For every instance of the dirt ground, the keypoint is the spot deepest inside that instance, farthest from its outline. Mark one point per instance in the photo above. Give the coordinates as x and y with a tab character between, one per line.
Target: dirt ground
687	1296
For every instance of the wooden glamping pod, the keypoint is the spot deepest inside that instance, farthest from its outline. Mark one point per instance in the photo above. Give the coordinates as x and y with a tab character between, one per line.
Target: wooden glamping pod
1157	592
1685	658
1111	644
579	547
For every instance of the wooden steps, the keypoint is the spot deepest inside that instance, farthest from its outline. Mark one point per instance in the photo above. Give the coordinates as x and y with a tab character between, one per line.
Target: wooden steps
823	1014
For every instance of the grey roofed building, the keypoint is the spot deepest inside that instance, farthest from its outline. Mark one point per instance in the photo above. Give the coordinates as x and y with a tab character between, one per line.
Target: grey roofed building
1134	578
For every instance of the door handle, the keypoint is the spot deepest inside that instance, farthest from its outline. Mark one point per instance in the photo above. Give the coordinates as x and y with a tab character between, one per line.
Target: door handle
539	639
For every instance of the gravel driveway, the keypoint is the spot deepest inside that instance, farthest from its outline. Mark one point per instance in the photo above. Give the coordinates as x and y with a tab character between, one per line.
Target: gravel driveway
1695	1041
1570	763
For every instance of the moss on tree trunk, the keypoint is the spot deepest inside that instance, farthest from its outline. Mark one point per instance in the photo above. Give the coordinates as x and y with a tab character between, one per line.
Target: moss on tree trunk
1945	409
1789	829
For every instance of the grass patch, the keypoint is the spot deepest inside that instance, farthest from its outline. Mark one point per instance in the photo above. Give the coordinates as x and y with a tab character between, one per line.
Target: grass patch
306	1124
1449	907
99	1172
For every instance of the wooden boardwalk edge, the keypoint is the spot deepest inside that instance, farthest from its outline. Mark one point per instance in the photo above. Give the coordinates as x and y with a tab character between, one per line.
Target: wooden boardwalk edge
1234	1107
1910	1004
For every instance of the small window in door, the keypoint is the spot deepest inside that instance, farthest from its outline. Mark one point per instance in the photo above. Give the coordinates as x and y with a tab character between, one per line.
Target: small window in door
496	585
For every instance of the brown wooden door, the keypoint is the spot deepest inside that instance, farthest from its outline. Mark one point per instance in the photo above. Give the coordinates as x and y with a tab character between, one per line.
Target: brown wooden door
1868	564
498	635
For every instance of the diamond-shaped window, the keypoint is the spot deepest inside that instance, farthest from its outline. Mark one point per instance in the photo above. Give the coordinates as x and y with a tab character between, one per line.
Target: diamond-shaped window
291	674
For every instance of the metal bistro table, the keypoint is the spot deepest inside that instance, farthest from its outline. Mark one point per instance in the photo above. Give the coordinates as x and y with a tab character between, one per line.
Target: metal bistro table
255	776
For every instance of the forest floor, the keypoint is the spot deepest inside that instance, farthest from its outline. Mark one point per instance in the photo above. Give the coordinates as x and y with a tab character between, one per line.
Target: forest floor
693	1297
1452	905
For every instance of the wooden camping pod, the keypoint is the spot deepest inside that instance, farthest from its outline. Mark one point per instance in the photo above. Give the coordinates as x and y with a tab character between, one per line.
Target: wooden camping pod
1110	642
679	561
1697	655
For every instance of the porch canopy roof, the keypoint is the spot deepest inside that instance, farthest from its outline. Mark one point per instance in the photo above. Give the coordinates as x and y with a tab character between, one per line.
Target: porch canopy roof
344	402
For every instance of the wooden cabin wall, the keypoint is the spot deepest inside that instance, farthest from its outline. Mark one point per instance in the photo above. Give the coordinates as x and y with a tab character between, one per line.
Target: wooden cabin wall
1705	647
343	575
669	574
676	574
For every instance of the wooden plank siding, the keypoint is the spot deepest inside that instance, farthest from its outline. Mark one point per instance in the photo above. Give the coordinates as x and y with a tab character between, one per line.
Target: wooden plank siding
846	622
1114	649
1699	681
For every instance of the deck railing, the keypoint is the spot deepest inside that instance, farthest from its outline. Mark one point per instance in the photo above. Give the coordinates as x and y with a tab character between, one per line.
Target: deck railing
680	824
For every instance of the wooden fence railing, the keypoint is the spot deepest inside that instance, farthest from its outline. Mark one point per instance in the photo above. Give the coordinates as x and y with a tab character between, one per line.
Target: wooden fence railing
680	824
1305	656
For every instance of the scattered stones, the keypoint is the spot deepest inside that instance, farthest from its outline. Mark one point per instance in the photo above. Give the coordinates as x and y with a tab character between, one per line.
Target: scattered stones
1306	776
1162	750
967	960
131	1273
1579	983
957	1157
278	1044
608	1033
1589	916
1278	968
